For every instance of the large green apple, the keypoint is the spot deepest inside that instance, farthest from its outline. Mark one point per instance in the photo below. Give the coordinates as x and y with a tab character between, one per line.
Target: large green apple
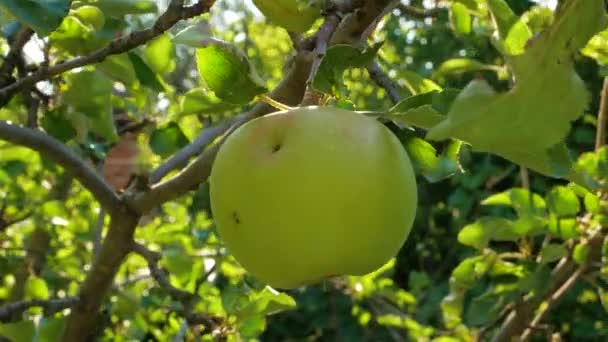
292	15
310	193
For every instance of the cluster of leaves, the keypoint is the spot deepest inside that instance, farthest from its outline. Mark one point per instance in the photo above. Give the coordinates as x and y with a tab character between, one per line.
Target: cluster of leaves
520	106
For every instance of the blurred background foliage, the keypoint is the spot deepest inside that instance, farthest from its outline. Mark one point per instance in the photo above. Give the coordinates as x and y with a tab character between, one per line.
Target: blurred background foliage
450	282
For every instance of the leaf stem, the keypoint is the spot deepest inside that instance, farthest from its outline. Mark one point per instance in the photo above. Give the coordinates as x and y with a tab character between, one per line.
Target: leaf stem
274	103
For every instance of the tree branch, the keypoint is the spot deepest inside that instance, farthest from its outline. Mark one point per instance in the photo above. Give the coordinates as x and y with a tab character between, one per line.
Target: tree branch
51	148
419	13
520	318
553	299
187	299
175	12
323	36
14	55
382	80
116	246
152	258
181	158
50	306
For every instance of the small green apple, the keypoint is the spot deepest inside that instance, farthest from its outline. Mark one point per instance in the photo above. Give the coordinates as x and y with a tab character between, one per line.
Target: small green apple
314	192
292	15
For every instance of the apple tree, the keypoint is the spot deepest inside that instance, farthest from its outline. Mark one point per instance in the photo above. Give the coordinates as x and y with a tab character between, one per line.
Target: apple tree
112	113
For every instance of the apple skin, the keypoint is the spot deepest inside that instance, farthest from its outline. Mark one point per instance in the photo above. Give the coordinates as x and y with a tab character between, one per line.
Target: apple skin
314	192
288	14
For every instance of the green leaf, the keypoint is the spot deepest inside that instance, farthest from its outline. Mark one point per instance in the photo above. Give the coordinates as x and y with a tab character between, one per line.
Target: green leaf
486	229
336	61
451	309
417	84
424	110
146	76
552	252
76	36
474	235
119	8
159	55
267	302
513	32
548	95
580	253
228	73
36	288
592	203
426	160
537	281
566	228
470	271
538	18
49	329
89	92
167	140
457	66
562	201
522	200
90	15
193	35
23	331
252	326
202	101
44	16
597	48
484	309
119	68
177	262
56	125
460	19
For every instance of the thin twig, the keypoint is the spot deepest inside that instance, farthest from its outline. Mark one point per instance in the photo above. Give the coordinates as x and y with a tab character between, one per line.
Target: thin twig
384	81
152	258
98	237
14	55
50	306
187	299
175	13
553	299
602	118
59	153
323	37
525	177
419	13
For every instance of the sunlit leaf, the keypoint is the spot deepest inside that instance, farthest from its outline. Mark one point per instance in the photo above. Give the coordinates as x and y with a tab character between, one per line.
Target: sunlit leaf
42	15
336	61
547	97
228	73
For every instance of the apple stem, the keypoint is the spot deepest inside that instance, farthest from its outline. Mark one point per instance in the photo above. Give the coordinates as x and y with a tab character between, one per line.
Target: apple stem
274	103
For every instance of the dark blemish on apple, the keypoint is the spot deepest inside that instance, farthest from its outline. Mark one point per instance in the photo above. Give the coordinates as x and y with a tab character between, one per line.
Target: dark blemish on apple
236	218
276	148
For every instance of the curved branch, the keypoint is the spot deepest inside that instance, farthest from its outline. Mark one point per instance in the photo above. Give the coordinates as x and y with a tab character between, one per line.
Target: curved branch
50	306
174	13
180	159
59	153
